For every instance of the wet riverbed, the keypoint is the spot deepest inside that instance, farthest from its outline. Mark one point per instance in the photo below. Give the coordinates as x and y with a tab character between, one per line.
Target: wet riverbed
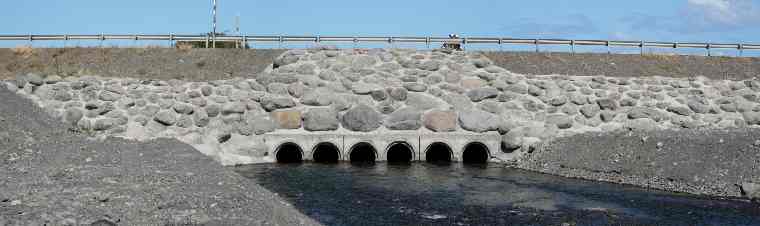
428	194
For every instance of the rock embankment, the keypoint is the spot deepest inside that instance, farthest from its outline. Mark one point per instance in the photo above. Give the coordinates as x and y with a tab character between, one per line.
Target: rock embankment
361	91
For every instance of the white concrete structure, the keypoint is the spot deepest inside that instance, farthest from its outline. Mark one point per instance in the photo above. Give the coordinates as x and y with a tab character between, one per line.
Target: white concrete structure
381	141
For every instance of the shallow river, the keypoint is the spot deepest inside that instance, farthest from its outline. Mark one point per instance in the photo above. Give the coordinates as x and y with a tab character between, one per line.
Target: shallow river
427	194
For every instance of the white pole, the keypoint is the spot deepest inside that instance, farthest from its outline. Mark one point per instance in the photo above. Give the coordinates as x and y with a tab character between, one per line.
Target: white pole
213	30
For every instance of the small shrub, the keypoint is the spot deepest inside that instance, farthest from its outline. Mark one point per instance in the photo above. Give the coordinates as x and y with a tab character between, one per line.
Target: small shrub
24	51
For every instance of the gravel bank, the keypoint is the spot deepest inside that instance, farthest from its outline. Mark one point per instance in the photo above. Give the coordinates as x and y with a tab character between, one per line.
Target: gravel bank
49	175
709	162
623	65
146	63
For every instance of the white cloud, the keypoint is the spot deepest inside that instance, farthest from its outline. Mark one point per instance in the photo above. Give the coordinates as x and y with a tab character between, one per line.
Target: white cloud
722	12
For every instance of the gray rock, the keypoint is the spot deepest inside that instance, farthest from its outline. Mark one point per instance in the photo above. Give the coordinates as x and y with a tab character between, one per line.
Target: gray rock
698	106
73	115
477	120
104	124
109	96
361	118
200	117
233	108
278	88
430	65
398	94
641	124
481	63
750	191
459	101
607	116
213	110
404	119
518	88
296	89
643	112
480	94
52	79
317	97
271	103
681	110
185	121
320	119
166	118
423	101
590	110
364	88
262	125
511	141
440	121
415	87
34	79
558	101
183	108
379	95
562	121
751	117
607	104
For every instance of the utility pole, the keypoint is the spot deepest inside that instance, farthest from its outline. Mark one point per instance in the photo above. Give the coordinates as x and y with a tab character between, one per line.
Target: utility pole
213	29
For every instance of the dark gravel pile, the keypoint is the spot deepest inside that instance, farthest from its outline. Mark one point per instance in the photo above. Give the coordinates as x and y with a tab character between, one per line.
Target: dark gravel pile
49	175
710	162
627	65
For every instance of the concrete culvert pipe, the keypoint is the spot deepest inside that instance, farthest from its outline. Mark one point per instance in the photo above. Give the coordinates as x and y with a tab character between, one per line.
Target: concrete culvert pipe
326	152
400	152
289	153
475	153
362	153
438	153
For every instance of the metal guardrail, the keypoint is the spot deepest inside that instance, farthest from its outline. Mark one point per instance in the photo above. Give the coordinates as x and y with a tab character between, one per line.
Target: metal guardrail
389	39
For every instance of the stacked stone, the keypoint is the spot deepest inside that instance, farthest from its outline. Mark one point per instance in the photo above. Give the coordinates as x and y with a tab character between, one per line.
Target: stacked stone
395	89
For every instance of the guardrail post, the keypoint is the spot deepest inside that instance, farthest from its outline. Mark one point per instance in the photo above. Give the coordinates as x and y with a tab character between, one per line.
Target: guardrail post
709	53
572	47
741	49
207	41
500	46
607	44
356	41
535	42
641	47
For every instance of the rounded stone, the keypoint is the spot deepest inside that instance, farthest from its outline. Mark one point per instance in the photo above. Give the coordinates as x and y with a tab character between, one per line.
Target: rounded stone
361	118
73	115
440	121
271	103
479	121
166	118
398	94
320	119
480	94
287	119
404	119
415	87
183	108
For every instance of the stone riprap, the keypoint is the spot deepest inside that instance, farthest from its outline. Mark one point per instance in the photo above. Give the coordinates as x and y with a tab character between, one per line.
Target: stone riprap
360	91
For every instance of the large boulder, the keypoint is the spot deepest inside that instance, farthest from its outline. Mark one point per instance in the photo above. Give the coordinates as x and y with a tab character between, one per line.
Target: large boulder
320	119
751	191
477	120
287	119
440	121
361	118
271	103
644	112
404	119
479	94
423	101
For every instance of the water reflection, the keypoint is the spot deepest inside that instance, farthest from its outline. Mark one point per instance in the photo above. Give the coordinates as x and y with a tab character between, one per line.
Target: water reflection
421	193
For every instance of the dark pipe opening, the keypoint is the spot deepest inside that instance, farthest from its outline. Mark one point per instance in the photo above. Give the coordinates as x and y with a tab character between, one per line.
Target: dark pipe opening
399	152
289	153
438	153
326	153
362	153
475	153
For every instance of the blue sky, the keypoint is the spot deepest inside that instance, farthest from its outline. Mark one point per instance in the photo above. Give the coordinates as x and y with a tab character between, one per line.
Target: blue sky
668	20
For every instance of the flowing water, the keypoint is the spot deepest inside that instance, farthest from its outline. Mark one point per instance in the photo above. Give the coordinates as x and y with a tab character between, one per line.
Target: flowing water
455	194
